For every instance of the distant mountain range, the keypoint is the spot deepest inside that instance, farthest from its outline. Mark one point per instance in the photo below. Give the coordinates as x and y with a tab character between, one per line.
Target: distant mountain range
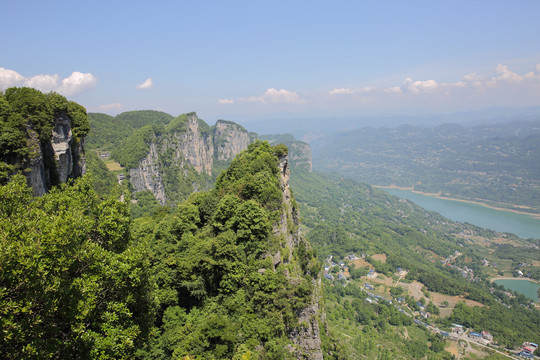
310	128
497	163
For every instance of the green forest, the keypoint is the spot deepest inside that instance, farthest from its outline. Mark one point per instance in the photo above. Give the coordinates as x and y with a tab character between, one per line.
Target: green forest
91	270
496	165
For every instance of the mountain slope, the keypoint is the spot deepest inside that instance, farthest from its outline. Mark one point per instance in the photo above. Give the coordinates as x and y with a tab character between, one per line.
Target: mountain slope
234	275
496	164
42	136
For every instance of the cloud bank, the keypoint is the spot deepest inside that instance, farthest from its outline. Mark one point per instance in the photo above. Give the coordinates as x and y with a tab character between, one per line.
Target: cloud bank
275	96
74	84
147	84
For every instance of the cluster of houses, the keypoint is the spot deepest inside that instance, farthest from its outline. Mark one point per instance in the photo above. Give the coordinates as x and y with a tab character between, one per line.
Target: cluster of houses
483	335
342	271
527	350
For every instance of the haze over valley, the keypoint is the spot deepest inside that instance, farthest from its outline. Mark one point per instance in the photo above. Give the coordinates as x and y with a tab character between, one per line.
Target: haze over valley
213	180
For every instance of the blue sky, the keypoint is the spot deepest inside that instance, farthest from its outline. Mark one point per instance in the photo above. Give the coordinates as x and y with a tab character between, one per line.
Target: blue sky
250	60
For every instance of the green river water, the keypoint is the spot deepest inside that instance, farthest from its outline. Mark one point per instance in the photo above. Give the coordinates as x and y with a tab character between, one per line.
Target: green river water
522	286
524	226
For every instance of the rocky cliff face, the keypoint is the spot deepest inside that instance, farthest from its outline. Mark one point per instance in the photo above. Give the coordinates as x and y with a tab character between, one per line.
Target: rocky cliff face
184	161
299	151
56	161
300	154
306	337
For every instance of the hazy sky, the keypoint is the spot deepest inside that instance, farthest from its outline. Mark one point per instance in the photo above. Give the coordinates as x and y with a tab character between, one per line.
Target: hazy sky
243	60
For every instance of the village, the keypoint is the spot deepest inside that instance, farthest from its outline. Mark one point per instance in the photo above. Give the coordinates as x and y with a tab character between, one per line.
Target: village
378	288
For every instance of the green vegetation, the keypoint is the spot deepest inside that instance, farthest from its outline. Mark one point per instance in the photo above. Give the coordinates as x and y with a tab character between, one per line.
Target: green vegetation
27	118
131	150
342	217
107	131
78	280
376	330
84	275
73	283
104	181
484	163
218	297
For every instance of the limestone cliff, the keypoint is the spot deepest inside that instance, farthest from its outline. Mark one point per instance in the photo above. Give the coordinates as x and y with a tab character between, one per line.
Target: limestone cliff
55	161
307	337
299	151
42	137
186	156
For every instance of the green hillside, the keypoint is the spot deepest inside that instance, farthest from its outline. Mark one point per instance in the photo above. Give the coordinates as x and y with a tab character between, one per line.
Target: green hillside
342	217
108	131
496	165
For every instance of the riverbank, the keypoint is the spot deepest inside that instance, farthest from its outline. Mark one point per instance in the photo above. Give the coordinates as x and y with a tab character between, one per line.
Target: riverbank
438	196
513	278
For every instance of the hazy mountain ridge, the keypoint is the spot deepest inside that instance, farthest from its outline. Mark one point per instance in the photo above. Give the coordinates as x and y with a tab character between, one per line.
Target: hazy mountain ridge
172	157
496	164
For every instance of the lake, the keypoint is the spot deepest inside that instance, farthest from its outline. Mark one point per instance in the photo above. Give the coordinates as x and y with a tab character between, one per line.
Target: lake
524	226
522	286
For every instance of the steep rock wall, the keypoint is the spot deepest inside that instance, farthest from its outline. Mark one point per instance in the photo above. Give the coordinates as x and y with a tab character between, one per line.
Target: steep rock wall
300	154
194	153
307	337
299	151
147	175
230	139
56	161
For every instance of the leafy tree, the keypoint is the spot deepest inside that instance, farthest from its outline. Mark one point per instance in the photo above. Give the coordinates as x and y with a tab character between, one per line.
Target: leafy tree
72	284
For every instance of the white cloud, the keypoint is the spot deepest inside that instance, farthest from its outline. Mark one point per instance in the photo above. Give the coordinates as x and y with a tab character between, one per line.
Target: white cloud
393	90
459	84
76	83
43	82
417	87
225	101
147	84
507	75
276	96
9	78
538	67
530	76
341	91
113	106
475	80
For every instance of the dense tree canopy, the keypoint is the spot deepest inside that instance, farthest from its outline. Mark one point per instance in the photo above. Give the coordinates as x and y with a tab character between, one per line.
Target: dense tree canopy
27	118
73	284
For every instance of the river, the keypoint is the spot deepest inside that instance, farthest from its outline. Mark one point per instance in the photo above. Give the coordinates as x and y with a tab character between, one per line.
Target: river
522	286
524	226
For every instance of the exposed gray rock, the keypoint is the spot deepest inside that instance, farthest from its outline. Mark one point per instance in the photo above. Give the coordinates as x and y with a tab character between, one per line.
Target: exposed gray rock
307	336
187	150
57	161
230	139
147	175
300	154
299	151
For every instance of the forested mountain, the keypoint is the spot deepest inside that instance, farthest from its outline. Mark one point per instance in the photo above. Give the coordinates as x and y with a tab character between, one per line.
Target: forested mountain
90	271
107	131
166	156
225	274
443	268
41	135
495	164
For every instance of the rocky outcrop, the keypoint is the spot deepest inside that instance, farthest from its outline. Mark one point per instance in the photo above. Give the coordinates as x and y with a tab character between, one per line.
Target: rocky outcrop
230	139
300	154
56	161
147	175
306	337
193	153
299	151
